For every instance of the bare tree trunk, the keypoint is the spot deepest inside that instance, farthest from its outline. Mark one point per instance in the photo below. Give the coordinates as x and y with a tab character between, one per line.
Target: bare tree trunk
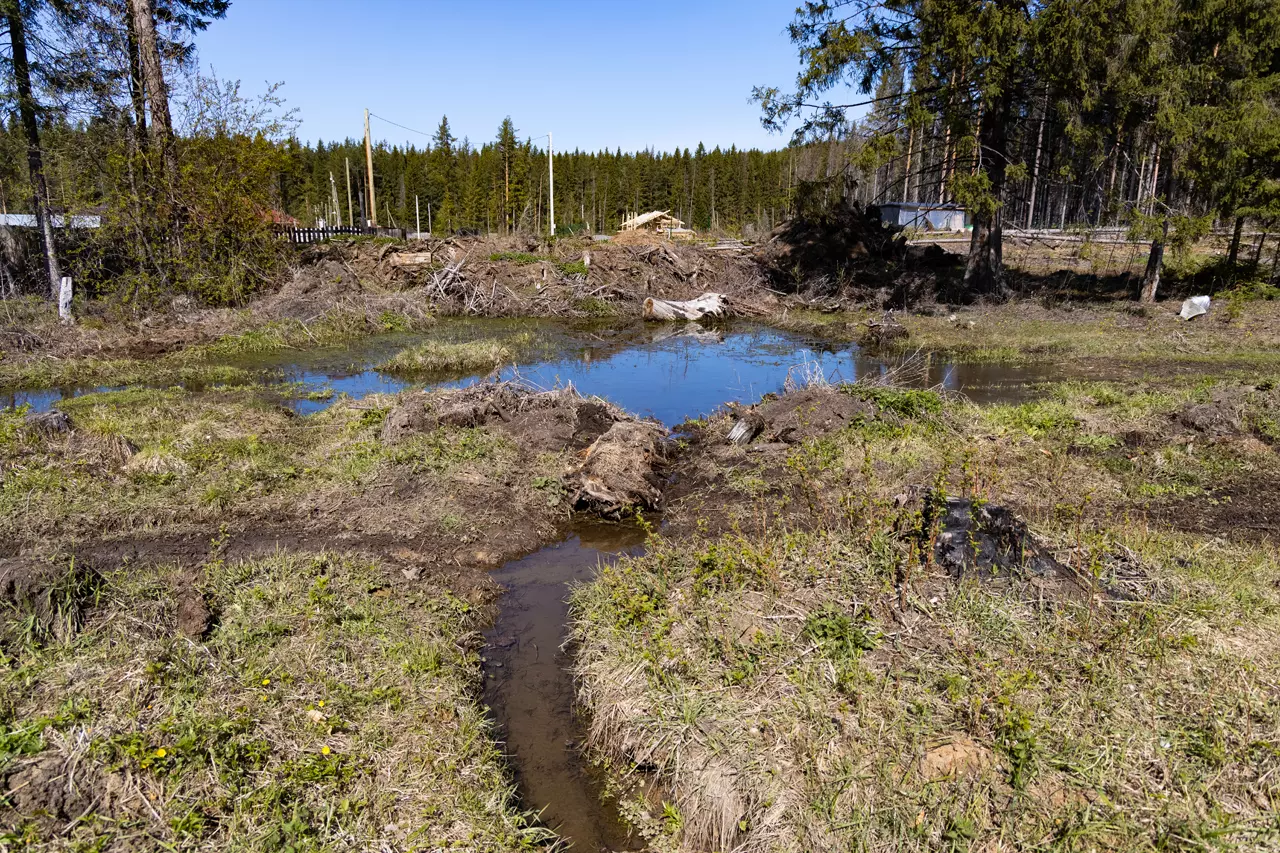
1234	253
31	130
1035	163
984	271
1155	262
142	13
136	94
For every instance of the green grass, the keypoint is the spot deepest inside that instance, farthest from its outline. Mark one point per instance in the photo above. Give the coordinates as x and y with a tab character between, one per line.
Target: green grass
786	706
198	365
81	373
444	357
1022	333
324	710
142	459
804	680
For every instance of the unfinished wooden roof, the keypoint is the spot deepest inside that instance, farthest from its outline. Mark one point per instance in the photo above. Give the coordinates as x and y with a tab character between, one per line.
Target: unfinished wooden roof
662	217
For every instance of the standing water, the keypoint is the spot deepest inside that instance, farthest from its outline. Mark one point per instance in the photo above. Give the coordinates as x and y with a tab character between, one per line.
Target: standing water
531	692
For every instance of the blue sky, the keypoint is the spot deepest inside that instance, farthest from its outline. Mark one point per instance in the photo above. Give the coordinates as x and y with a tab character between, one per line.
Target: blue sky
603	74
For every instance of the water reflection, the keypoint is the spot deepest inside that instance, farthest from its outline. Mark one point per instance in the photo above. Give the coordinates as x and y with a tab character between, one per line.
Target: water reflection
668	371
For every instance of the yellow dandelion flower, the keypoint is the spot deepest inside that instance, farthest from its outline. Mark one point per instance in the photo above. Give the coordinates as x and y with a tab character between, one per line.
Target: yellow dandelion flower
266	682
161	752
324	750
321	703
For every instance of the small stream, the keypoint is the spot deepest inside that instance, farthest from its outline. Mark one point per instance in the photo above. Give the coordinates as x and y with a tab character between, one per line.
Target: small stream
531	692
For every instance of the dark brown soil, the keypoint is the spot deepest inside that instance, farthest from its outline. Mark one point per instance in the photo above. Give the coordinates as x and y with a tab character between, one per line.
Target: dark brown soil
1246	508
43	599
43	790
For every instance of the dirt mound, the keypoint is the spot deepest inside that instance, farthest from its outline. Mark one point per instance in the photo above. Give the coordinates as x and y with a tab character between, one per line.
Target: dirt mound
1234	411
1222	416
620	470
44	789
42	602
540	421
47	424
798	415
638	237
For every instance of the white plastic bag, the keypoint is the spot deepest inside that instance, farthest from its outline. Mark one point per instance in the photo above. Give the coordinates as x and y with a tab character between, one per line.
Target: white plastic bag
1194	307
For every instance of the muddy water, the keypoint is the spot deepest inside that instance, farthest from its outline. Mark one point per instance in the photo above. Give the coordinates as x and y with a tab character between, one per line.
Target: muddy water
665	371
529	688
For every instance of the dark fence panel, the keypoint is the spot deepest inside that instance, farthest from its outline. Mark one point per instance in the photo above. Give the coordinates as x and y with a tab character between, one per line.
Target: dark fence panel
304	236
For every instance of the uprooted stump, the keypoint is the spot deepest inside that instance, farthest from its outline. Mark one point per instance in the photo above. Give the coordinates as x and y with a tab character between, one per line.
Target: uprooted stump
620	470
985	539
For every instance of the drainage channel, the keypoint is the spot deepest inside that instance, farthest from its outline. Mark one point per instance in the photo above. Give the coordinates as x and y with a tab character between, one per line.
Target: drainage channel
530	690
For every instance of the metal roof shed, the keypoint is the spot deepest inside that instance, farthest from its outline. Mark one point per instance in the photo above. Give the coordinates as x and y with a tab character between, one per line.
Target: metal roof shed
928	217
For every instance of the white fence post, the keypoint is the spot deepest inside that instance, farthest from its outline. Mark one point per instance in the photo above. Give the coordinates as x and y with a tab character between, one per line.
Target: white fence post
64	301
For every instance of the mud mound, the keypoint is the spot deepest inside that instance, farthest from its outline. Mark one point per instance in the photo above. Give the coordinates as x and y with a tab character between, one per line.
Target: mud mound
43	602
45	790
539	421
47	424
1221	416
798	415
620	470
1234	411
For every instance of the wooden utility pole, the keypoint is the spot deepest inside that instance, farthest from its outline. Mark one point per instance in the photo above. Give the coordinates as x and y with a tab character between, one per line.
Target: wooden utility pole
368	162
911	142
1035	164
337	208
350	210
551	167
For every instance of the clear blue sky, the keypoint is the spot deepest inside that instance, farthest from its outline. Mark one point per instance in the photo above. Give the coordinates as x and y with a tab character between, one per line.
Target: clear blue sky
603	74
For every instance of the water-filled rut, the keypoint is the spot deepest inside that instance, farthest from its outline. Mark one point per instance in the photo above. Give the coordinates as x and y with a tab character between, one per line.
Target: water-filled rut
531	691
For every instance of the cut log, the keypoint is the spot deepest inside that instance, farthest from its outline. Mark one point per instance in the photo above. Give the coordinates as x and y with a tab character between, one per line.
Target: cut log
706	305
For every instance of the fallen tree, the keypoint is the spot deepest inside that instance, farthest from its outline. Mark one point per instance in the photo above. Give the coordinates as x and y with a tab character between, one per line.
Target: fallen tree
706	305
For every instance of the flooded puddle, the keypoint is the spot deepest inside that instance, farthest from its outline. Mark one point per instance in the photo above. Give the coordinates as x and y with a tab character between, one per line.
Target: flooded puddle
531	692
669	372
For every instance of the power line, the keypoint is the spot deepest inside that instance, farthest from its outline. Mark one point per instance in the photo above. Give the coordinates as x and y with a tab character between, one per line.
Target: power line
401	126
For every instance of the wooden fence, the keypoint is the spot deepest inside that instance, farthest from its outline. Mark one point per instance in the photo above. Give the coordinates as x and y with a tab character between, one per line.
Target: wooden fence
304	236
